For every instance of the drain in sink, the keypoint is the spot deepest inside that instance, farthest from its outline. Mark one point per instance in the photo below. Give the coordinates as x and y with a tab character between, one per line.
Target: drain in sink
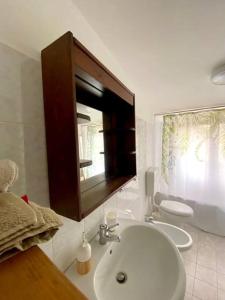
121	277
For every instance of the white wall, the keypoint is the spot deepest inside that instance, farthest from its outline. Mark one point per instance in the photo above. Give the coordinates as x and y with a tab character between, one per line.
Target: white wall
22	131
30	26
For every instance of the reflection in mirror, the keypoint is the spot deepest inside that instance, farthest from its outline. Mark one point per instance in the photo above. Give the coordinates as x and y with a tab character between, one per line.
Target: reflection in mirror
91	142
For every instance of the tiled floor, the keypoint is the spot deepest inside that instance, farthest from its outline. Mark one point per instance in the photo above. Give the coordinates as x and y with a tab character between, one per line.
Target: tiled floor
205	266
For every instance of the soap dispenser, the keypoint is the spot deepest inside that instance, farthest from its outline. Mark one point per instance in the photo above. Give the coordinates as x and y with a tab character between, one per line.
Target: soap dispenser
83	264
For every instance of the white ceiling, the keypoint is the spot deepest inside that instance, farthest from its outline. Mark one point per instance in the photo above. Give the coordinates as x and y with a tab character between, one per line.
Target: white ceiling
168	48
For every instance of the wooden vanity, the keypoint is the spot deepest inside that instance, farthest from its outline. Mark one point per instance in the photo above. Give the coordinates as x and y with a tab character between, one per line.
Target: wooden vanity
31	275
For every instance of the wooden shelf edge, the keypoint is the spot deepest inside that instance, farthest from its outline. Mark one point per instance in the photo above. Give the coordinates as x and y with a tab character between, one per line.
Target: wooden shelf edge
106	189
117	130
82	118
31	275
85	163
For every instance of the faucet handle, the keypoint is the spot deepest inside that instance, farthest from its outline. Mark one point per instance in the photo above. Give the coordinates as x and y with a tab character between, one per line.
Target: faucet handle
110	227
103	226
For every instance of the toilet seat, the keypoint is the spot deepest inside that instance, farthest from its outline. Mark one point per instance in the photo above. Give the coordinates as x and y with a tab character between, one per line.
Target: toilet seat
176	208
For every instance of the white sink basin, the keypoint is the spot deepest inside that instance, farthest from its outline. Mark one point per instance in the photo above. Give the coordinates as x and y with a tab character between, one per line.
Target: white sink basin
149	262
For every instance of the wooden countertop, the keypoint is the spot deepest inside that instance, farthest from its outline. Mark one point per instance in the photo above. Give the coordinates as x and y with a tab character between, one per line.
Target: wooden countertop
30	275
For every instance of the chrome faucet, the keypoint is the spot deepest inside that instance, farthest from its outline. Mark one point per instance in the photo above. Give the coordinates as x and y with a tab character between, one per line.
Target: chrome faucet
106	234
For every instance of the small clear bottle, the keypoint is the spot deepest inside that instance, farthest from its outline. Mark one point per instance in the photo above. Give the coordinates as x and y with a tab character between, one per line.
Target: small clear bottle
83	262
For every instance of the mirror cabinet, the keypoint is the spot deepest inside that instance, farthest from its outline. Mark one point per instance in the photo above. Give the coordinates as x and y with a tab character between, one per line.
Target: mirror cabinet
90	129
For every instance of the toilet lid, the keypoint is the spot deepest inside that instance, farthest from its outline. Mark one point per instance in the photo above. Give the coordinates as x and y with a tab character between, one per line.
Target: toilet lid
176	208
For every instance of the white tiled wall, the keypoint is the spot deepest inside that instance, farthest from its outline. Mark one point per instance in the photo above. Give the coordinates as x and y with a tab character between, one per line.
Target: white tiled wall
22	137
22	133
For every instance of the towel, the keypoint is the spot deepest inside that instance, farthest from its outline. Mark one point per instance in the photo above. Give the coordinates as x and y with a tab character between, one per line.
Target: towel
24	225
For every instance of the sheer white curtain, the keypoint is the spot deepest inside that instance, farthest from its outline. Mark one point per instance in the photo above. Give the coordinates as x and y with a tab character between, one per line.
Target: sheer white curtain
190	159
91	145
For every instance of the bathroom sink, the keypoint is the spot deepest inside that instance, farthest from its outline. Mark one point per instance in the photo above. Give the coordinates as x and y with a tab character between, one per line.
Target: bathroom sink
145	265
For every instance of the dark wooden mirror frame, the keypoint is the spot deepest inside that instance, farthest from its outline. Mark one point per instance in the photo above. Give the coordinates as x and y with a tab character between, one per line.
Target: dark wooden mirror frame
72	74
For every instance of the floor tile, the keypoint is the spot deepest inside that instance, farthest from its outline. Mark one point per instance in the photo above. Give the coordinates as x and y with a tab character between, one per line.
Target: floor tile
207	238
207	275
204	291
220	244
221	294
221	281
207	257
220	260
190	267
205	266
190	254
188	297
189	284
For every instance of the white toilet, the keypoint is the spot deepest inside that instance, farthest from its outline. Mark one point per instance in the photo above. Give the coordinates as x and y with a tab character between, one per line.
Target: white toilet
171	211
175	212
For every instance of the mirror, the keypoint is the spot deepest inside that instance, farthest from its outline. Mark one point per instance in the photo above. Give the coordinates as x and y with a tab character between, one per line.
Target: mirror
91	142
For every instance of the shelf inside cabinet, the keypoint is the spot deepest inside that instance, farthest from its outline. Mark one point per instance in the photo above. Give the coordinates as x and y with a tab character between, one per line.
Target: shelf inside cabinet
117	130
82	118
85	163
124	153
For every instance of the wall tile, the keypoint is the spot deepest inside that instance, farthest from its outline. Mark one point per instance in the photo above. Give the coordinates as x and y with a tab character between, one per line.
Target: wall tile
36	163
65	243
10	78
47	247
93	221
12	147
130	198
31	91
110	205
11	108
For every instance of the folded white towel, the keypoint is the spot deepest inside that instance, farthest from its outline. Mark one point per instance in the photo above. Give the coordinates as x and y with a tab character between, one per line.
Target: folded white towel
24	225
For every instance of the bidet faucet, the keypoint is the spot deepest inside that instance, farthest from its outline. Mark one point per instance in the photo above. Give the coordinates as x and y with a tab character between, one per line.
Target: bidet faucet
149	219
105	234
